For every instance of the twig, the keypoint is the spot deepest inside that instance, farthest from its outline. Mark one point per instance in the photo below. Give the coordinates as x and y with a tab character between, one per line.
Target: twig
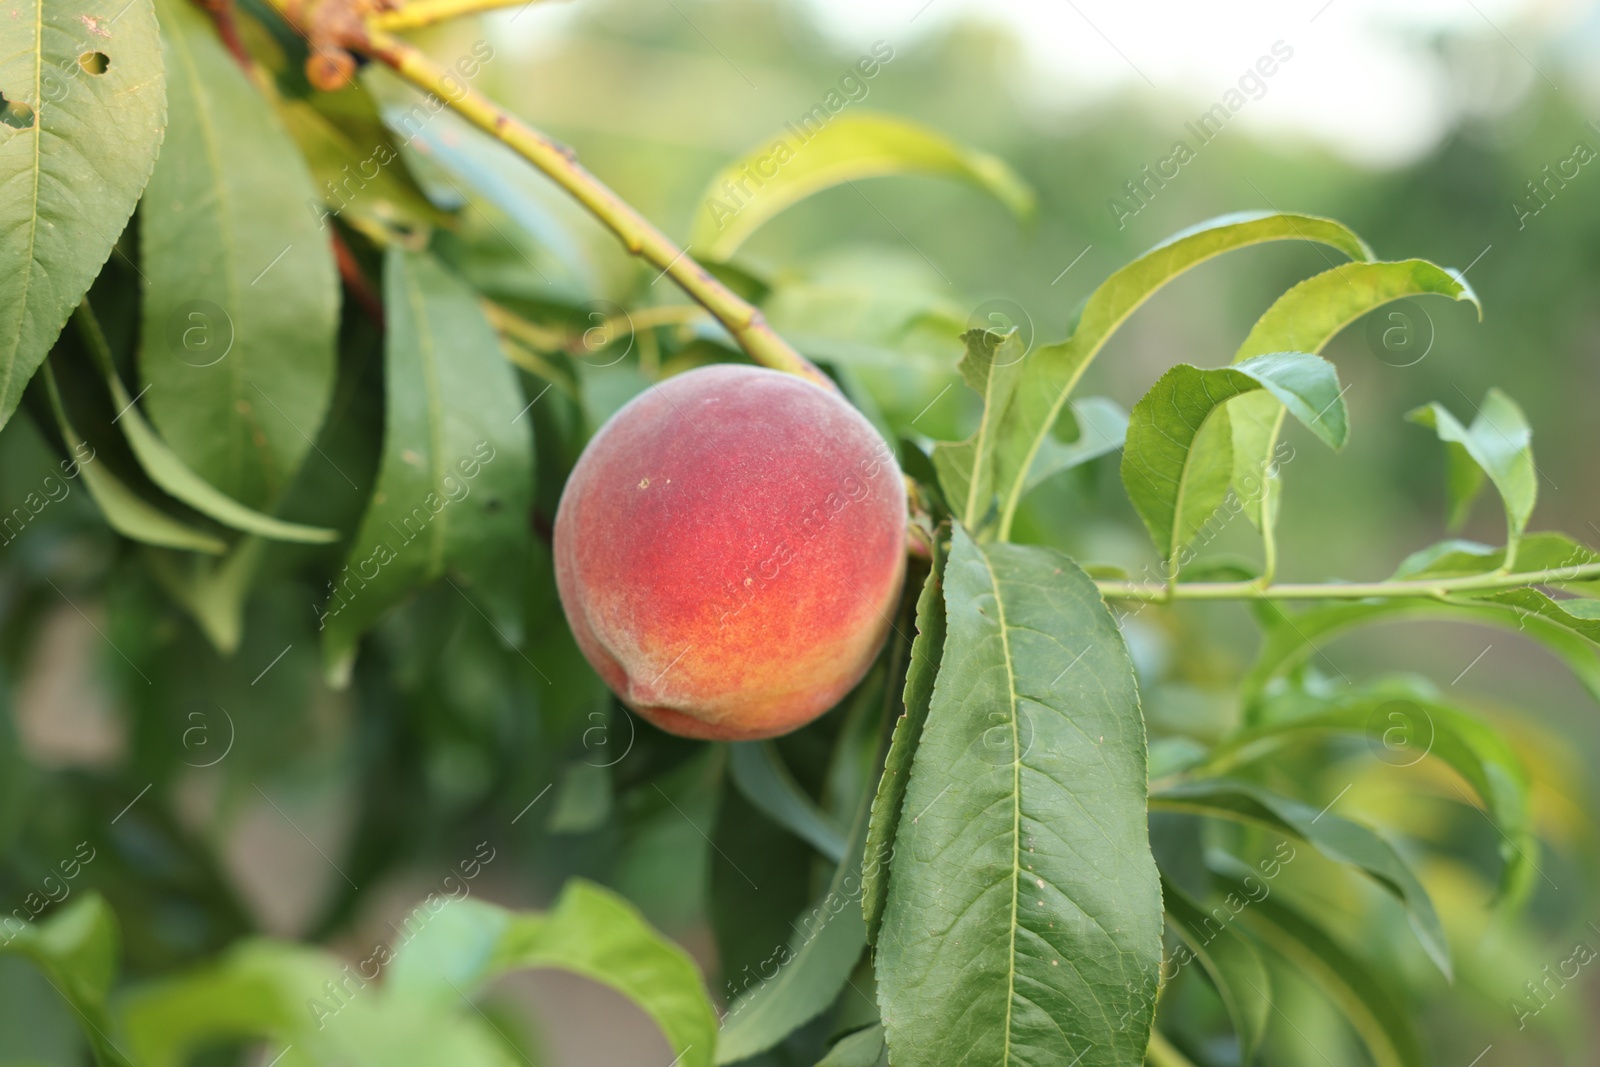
420	13
221	12
355	279
1427	588
336	27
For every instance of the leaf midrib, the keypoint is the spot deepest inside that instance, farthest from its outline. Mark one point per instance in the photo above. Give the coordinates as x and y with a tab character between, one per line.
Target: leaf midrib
1175	536
1016	800
1014	491
425	348
38	164
228	239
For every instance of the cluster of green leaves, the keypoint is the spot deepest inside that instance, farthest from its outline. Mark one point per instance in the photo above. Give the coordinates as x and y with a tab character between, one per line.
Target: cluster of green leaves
314	1008
984	856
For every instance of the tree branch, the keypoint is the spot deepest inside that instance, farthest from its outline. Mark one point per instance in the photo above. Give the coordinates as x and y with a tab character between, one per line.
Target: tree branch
1426	588
334	26
420	13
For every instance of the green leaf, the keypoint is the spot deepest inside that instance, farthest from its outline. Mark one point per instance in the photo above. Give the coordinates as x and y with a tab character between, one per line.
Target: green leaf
1535	552
311	1007
1051	372
212	590
1375	1011
1231	962
445	152
758	770
356	166
590	931
1337	838
74	169
125	511
1177	461
888	804
455	481
583	800
1290	638
1579	616
1497	444
864	1048
1407	717
241	298
76	950
1023	923
1305	319
826	944
991	365
857	144
168	471
1102	428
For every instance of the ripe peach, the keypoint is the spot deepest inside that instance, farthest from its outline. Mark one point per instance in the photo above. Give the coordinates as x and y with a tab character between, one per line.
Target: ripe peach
729	550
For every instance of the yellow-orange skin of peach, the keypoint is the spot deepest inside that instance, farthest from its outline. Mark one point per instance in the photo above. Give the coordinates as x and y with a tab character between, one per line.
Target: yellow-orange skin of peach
729	551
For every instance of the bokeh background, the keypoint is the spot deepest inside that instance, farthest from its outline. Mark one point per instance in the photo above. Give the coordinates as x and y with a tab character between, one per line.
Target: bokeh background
1420	125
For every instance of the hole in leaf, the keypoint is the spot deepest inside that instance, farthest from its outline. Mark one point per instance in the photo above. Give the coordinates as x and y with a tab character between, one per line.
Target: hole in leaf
15	113
94	62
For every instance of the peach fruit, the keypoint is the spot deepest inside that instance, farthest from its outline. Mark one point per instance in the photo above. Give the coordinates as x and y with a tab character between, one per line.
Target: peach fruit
729	551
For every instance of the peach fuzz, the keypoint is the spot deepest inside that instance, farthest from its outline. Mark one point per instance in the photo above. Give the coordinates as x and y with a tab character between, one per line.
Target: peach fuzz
729	551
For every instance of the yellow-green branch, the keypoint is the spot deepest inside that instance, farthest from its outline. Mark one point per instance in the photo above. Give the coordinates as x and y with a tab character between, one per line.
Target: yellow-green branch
1427	588
419	13
353	25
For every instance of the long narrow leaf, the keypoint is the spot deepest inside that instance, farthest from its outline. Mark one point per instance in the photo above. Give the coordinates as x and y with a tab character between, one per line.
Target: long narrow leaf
1053	371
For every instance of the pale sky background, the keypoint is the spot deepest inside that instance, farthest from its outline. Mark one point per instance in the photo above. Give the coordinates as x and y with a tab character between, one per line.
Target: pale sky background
1364	79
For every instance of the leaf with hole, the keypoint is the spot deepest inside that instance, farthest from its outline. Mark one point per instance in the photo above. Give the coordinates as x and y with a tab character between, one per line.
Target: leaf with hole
1023	921
236	384
828	150
82	104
